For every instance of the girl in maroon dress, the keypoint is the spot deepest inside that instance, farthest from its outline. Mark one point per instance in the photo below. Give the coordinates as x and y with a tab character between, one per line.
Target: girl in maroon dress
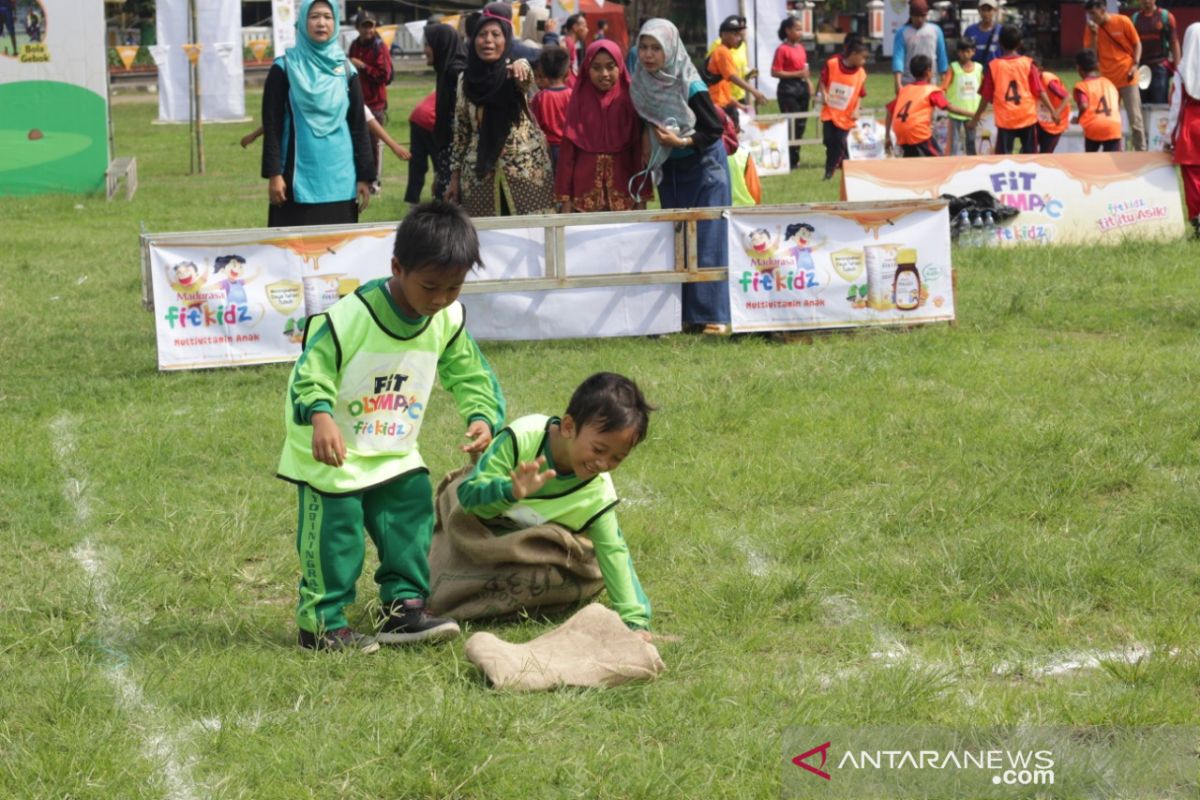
602	139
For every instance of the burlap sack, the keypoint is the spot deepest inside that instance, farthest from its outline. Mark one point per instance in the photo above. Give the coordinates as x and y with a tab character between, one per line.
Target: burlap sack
592	648
475	573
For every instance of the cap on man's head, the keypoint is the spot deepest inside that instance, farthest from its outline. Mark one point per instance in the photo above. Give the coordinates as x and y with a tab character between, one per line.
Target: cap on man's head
918	8
364	18
988	4
732	24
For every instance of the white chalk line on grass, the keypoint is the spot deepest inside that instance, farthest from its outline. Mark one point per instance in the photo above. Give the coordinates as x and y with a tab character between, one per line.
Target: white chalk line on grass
1067	663
888	651
162	745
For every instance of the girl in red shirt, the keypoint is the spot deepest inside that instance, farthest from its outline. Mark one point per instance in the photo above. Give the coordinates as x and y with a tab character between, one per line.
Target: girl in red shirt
795	87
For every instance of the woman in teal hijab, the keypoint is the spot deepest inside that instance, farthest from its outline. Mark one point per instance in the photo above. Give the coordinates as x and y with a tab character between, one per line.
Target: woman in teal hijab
316	150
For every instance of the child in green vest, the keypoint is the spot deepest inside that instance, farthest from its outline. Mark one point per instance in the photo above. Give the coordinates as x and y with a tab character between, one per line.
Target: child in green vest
744	186
543	469
961	86
356	399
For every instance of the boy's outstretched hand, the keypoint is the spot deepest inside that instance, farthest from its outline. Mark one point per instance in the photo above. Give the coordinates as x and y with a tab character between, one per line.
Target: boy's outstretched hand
480	434
528	477
327	444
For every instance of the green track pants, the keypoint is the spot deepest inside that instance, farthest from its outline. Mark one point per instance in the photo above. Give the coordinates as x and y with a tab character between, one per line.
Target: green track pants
398	516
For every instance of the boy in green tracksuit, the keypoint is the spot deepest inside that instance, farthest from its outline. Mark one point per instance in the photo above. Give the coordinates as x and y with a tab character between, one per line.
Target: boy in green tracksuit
543	469
357	396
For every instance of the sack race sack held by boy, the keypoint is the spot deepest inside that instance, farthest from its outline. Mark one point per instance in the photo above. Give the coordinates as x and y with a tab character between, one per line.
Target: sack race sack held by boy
476	573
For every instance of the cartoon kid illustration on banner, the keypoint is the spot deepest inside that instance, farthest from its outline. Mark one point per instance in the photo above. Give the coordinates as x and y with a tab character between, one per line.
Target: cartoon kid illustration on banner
187	278
236	276
800	234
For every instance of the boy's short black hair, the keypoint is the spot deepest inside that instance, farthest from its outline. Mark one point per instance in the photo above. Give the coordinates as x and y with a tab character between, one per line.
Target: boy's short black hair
1086	60
602	25
552	61
571	20
854	44
610	402
965	45
1090	4
1010	37
920	66
437	235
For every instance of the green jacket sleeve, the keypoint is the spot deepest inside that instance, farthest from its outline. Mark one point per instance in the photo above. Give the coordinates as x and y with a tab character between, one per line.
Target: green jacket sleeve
487	491
624	590
466	374
314	378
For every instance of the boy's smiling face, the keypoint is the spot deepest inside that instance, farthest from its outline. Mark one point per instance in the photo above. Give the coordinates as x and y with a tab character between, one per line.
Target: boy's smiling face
592	451
424	292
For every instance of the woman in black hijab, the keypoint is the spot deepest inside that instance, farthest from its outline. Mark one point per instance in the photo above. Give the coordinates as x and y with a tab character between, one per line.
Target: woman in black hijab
446	52
499	160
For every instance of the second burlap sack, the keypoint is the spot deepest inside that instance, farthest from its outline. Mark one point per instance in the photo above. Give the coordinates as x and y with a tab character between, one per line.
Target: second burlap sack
474	573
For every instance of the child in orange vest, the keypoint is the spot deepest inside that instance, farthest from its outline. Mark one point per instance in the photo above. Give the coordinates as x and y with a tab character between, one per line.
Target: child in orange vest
1053	119
843	82
1013	85
1096	98
911	113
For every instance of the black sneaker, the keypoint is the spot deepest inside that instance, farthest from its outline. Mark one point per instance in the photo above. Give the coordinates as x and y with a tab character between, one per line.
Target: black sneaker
338	639
406	621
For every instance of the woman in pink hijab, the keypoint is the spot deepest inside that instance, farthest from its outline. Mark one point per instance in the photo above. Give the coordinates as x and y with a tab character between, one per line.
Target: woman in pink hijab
602	138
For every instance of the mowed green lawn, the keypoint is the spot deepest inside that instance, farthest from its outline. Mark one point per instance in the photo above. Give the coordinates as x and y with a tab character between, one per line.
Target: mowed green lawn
933	527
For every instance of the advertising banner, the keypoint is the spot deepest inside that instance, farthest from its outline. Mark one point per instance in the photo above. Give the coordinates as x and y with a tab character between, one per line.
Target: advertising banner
866	139
283	24
839	266
53	97
227	298
216	50
1074	198
767	142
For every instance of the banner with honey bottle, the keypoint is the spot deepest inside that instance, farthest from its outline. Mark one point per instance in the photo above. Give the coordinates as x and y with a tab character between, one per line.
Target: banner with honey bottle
840	265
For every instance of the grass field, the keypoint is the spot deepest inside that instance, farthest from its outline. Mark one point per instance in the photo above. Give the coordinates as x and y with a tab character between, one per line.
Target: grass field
985	524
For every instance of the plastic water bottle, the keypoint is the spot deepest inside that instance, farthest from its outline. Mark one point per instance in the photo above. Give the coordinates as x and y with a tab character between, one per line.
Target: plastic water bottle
976	229
962	227
989	229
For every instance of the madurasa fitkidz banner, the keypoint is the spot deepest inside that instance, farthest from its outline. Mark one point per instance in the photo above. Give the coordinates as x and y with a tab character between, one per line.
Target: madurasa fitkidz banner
840	266
229	298
53	97
1071	198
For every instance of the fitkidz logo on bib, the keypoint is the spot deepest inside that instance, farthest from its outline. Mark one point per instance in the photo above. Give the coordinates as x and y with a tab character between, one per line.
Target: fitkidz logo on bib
397	413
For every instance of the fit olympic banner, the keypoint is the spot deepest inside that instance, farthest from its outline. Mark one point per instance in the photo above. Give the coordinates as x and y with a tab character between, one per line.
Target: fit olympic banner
228	298
53	97
1072	198
840	266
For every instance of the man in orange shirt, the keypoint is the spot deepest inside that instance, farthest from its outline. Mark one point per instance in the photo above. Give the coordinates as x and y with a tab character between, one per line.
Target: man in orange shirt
1119	49
721	63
